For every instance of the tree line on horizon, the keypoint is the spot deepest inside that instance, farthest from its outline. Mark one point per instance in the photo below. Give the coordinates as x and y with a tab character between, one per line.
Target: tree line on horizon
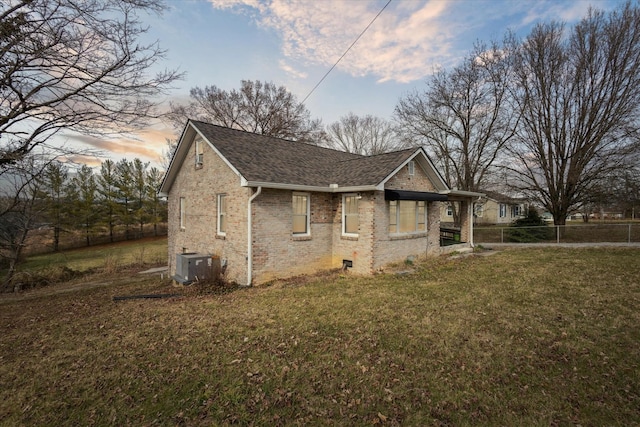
120	198
121	195
553	116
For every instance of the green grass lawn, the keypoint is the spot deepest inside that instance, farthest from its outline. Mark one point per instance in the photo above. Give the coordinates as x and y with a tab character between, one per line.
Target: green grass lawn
151	250
540	336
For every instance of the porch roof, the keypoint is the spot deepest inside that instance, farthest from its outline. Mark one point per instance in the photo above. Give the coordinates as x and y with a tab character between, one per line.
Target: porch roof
414	195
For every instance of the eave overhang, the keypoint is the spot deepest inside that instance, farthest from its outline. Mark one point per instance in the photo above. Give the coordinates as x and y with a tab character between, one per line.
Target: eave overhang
454	195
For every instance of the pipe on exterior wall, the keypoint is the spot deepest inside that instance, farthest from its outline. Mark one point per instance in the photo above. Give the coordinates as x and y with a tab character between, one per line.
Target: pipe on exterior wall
250	237
470	215
473	245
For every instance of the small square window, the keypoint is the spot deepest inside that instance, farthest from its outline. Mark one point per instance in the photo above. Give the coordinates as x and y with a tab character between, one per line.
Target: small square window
449	210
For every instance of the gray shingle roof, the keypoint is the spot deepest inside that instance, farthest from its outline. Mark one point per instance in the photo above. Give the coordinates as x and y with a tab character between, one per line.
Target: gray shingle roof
260	158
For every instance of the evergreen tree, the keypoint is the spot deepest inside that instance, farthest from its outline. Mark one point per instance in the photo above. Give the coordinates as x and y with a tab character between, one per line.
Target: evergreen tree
83	196
108	194
139	184
155	207
126	193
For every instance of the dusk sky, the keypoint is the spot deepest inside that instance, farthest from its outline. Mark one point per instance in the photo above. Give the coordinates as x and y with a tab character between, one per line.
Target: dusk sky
294	43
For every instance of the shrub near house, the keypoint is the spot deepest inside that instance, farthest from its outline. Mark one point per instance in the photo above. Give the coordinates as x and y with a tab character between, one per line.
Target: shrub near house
530	229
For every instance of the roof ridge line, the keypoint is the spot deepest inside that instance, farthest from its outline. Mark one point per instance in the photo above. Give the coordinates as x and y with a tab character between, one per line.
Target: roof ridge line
378	155
277	138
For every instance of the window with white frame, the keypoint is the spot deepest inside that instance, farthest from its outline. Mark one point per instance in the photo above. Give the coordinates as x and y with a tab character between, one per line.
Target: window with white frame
412	167
350	219
182	214
301	208
221	222
407	216
503	210
199	151
449	210
516	211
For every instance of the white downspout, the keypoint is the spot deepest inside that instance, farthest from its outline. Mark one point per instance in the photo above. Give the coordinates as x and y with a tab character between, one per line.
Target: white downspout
249	238
471	223
471	226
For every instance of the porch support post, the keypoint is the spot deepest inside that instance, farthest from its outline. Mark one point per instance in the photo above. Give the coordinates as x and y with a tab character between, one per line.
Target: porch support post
465	228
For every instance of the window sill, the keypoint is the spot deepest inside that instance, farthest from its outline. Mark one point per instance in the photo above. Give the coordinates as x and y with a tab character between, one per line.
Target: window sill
301	238
406	236
221	237
349	237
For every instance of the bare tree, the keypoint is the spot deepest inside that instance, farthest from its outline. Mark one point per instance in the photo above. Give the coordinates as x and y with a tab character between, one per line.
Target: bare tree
74	65
20	207
462	117
366	135
579	95
257	107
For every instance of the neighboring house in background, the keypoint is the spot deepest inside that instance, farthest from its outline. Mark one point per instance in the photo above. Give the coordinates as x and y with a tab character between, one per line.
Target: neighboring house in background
272	208
497	208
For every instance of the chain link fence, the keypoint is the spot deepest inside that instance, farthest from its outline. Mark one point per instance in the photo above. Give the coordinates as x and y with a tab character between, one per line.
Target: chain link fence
584	233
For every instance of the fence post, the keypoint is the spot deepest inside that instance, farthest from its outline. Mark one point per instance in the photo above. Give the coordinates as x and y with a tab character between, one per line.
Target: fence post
557	234
501	235
629	235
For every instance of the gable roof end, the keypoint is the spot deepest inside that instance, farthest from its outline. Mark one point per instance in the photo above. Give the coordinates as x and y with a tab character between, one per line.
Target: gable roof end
270	162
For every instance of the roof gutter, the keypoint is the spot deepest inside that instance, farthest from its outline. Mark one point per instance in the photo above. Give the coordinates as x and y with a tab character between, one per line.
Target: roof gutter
250	237
461	193
332	188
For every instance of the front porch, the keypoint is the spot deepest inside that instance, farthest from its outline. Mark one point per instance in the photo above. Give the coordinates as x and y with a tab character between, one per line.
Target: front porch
458	235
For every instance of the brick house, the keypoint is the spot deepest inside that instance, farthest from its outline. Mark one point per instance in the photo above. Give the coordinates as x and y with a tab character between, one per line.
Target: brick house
272	208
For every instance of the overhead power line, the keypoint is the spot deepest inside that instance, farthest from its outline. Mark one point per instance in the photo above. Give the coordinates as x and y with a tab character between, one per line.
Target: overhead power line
345	52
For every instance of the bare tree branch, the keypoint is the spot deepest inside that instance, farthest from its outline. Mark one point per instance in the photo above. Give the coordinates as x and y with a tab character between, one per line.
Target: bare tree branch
366	135
462	117
257	107
80	65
